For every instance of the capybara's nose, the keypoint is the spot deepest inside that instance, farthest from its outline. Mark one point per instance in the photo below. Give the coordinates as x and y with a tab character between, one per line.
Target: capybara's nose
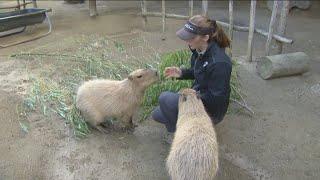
154	70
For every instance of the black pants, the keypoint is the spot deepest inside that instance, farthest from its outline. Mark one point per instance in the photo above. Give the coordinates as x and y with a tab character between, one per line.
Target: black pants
167	111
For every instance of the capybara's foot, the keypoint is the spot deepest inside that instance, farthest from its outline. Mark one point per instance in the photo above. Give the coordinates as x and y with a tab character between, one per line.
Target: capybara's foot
102	129
128	129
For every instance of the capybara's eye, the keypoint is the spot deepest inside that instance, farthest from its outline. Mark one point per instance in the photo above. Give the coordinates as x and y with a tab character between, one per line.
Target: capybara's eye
139	76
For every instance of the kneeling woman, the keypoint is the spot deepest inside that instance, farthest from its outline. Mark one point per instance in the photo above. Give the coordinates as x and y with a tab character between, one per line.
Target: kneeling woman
210	68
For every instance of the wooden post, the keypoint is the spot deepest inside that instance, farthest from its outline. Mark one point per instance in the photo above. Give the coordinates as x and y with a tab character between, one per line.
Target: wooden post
190	8
283	23
205	7
18	3
251	29
93	7
271	26
163	19
34	2
144	11
231	24
24	4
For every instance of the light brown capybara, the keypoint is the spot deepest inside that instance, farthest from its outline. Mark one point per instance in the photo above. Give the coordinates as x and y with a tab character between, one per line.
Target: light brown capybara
101	99
194	150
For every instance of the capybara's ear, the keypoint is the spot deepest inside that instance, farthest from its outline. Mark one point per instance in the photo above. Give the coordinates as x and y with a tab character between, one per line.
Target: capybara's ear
181	91
130	77
183	97
198	94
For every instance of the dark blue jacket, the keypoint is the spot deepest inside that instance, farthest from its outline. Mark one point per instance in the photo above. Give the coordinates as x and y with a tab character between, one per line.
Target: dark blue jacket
211	72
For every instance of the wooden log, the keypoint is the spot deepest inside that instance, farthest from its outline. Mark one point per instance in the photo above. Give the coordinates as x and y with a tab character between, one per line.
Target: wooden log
283	65
205	7
271	26
231	25
190	8
251	29
163	19
283	23
93	8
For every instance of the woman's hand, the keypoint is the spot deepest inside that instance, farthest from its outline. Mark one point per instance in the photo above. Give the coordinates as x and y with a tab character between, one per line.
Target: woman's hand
172	72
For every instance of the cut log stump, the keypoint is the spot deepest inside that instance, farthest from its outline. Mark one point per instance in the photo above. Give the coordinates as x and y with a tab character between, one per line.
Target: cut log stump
283	65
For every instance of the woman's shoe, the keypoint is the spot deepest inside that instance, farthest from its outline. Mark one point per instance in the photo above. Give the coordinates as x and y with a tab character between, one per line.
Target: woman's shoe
168	137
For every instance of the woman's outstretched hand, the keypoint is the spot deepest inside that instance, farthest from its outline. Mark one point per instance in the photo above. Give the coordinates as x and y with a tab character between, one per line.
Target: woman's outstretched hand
172	72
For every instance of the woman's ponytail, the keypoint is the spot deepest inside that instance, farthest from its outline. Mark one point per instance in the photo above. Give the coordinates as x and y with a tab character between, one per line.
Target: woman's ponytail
219	35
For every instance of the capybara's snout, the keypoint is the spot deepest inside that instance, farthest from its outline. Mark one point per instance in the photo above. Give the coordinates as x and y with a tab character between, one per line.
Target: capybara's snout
154	71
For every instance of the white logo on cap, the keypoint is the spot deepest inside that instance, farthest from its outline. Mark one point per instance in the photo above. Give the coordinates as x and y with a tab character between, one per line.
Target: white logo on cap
189	27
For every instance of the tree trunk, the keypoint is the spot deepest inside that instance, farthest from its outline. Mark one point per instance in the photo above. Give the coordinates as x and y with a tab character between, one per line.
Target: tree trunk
283	65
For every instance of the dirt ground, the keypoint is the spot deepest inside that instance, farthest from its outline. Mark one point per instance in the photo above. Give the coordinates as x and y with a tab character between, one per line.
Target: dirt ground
281	141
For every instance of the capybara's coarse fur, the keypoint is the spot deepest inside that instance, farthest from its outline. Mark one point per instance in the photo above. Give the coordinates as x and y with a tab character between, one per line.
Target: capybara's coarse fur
100	99
194	150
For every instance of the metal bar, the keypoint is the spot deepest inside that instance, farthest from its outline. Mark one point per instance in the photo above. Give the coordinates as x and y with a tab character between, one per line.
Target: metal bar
251	29
271	26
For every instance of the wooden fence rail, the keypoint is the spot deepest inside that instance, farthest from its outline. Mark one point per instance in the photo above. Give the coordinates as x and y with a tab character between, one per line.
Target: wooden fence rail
279	36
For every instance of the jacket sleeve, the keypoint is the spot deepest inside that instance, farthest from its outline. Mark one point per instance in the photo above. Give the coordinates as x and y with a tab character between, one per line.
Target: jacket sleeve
187	74
218	85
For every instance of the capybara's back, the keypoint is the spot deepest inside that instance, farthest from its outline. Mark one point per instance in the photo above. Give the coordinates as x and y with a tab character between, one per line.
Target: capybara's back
93	99
194	151
100	99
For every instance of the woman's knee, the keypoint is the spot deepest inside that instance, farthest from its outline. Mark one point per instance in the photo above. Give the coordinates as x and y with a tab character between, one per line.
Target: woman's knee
163	98
158	116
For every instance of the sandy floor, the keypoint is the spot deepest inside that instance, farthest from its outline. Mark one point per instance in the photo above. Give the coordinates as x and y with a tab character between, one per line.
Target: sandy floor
281	141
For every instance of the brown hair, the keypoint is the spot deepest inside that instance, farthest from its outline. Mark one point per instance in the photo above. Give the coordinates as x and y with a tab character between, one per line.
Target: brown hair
217	35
